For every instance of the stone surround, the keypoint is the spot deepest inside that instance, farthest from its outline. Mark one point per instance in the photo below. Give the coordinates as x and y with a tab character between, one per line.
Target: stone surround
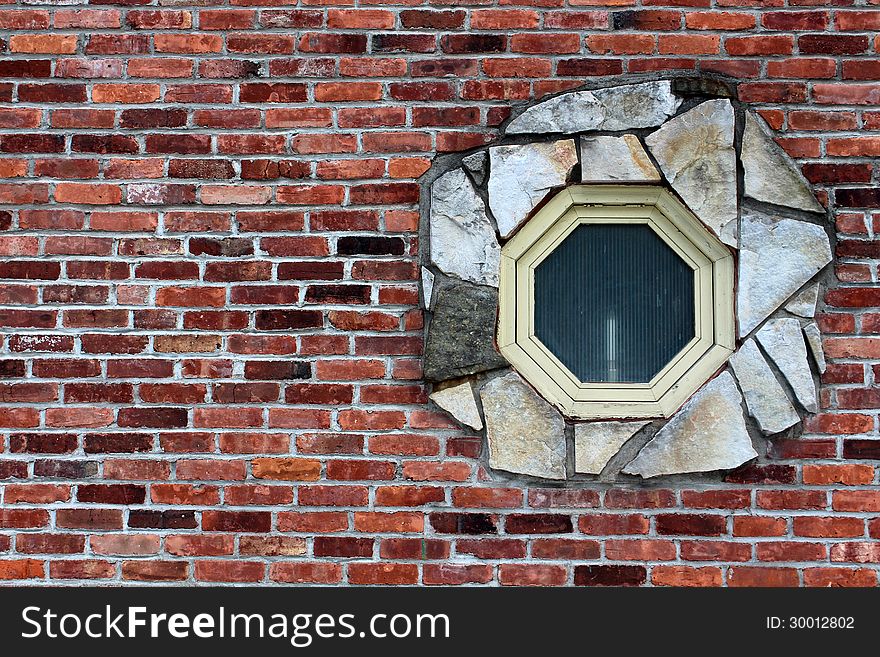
655	132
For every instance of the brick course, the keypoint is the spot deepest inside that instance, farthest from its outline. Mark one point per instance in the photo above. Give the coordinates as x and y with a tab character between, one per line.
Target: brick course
209	366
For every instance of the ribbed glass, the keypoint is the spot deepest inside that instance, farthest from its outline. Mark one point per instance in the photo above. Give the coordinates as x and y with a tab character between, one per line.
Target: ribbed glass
613	302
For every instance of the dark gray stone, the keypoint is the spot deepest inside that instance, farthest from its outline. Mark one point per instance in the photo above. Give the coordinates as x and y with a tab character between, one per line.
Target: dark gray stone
461	334
475	165
703	86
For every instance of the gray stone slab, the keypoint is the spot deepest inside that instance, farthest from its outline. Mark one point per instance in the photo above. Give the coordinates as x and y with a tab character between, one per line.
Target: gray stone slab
476	166
461	334
783	340
765	397
814	341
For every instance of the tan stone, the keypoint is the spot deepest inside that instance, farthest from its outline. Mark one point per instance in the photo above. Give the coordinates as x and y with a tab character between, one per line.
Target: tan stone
459	402
526	435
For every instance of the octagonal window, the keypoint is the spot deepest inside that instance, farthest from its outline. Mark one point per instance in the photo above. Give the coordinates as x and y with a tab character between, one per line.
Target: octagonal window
614	303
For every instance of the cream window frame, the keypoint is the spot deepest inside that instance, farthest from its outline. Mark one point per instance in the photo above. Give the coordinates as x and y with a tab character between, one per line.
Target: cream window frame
711	261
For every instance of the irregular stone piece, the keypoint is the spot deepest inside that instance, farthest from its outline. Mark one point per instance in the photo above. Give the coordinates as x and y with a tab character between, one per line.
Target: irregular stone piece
596	442
814	342
770	175
765	398
476	166
521	176
777	257
803	304
783	341
461	334
642	105
695	152
526	435
463	241
459	402
605	159
427	286
708	433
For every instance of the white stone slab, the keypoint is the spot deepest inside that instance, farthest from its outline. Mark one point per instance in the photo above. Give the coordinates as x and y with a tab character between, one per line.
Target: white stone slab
765	397
427	286
463	241
695	152
521	176
615	159
803	303
777	257
595	443
770	175
783	341
642	105
708	433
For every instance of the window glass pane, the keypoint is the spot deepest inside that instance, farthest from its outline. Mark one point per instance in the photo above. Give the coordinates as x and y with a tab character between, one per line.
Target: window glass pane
614	303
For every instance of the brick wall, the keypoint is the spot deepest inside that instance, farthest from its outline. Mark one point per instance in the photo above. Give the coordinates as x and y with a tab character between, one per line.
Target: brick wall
211	334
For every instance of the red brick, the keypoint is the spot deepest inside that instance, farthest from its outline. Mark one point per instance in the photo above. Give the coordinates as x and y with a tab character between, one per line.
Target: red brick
531	575
382	573
21	569
828	527
855	552
90	18
758	526
610	575
229	571
455	574
688	44
155	571
305	572
765	577
619	44
640	550
719	20
487	497
686	576
826	577
791	499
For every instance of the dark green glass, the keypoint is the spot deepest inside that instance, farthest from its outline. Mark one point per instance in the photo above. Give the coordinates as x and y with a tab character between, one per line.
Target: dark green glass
613	302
